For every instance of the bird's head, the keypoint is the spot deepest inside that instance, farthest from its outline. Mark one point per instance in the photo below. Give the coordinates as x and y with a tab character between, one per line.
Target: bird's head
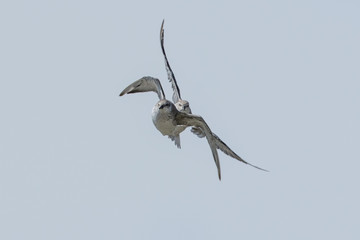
183	106
165	106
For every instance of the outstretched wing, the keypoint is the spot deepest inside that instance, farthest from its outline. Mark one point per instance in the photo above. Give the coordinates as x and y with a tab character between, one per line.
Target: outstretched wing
145	84
197	121
170	73
223	147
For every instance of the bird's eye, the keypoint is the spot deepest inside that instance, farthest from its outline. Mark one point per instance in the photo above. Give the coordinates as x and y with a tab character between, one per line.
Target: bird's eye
165	105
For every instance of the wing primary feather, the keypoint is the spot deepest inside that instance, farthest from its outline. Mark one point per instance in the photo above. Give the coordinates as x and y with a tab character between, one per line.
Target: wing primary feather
223	147
170	73
227	150
145	84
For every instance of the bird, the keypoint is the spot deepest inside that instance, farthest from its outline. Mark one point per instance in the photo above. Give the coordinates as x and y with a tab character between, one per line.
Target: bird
167	118
184	106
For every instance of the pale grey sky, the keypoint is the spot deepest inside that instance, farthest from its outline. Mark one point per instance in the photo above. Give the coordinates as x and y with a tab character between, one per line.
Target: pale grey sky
79	162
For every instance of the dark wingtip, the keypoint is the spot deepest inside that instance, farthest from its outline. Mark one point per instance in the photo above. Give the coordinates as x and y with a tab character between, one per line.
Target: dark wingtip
162	27
258	168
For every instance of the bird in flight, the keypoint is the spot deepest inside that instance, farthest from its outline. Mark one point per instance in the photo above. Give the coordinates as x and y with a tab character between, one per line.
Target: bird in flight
171	119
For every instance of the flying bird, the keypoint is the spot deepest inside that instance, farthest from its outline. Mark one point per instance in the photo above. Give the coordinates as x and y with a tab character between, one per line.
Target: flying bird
184	106
167	118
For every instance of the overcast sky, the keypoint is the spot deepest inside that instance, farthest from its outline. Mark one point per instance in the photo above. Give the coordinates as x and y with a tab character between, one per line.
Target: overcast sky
278	81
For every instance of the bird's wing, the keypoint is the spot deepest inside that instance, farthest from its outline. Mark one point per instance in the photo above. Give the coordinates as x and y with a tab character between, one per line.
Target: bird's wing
170	73
223	147
194	120
145	84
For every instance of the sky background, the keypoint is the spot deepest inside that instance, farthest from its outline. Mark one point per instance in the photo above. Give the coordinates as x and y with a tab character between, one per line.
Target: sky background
278	81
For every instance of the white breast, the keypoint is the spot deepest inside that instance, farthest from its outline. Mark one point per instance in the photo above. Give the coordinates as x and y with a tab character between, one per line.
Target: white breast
163	122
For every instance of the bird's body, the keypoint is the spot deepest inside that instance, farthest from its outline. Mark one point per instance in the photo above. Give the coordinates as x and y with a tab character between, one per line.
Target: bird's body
164	121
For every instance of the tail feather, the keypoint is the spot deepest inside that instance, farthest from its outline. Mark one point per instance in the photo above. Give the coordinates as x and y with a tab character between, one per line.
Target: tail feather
176	140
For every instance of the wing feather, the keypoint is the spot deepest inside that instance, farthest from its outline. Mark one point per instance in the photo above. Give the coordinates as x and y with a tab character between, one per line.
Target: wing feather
197	121
145	84
223	147
170	73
